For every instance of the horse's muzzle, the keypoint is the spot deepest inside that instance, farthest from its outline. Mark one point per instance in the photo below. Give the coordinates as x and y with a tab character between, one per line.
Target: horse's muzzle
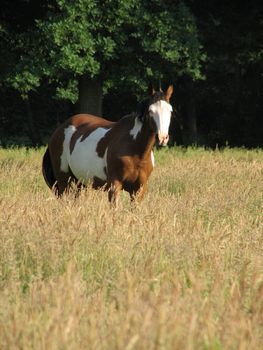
163	139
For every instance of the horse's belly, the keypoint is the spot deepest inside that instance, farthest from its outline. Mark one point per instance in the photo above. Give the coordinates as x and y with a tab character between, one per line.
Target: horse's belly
84	161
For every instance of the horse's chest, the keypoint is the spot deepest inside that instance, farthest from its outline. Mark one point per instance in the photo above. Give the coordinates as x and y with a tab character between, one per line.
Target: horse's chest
136	170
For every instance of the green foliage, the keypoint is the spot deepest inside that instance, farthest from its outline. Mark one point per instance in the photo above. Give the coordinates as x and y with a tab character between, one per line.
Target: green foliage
162	44
25	82
67	91
169	32
122	42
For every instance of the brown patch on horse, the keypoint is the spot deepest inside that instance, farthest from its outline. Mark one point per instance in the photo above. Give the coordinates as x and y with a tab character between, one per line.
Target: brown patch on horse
55	147
119	130
76	135
103	143
130	165
85	126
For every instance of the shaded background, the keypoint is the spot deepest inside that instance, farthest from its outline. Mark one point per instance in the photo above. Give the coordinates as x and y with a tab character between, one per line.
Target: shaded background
218	102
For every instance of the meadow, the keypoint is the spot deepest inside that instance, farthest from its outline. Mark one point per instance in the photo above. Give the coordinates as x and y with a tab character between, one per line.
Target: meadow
181	270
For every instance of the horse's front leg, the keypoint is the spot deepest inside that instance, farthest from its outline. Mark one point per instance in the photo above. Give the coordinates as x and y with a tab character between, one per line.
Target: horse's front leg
114	192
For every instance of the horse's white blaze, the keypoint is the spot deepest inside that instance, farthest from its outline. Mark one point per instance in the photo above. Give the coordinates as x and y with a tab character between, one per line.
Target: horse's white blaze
161	113
84	161
136	128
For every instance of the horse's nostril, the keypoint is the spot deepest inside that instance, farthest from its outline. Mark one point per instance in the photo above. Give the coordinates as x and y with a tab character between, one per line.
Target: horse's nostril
163	140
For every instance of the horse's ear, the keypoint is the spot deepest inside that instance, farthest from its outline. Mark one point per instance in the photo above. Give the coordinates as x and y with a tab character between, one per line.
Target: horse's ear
160	86
169	93
151	89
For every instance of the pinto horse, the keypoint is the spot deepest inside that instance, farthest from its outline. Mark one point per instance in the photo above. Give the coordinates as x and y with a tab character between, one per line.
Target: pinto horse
116	155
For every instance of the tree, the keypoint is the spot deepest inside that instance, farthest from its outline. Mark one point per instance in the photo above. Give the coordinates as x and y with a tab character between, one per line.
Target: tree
230	98
16	19
61	49
85	46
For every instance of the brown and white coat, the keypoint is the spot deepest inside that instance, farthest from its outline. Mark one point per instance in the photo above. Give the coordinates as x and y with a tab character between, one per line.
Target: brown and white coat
117	155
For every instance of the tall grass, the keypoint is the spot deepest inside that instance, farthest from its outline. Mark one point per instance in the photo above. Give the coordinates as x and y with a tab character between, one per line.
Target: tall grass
182	270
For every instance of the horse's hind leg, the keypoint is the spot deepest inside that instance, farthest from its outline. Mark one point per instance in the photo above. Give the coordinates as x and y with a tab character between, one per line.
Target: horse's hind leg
63	183
114	192
98	183
64	178
55	179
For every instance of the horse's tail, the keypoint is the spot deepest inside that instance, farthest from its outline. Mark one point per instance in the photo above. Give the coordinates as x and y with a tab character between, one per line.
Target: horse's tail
47	170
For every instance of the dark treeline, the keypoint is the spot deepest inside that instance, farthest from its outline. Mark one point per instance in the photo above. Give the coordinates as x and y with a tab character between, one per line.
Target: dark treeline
60	57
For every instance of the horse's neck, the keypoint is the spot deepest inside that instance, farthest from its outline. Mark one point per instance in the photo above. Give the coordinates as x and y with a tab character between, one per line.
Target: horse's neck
145	140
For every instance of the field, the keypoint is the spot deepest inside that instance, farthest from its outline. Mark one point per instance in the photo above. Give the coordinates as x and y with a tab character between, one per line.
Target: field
181	270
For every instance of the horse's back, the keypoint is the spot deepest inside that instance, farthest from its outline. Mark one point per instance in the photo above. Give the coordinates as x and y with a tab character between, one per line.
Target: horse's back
82	122
89	120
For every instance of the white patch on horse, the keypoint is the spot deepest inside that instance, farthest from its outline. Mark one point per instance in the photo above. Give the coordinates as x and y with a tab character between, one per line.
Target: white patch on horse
152	158
136	128
84	161
161	113
68	132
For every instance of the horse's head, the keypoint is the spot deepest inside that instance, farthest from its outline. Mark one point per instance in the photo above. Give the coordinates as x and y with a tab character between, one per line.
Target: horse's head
159	110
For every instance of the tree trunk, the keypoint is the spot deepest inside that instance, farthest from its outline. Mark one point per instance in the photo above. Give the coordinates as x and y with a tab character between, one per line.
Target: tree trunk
33	131
90	96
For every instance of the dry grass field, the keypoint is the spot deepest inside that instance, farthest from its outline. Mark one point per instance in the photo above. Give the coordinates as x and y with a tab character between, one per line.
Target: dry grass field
181	270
